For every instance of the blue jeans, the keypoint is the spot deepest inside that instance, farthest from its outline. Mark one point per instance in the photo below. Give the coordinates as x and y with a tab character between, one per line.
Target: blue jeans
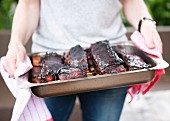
104	105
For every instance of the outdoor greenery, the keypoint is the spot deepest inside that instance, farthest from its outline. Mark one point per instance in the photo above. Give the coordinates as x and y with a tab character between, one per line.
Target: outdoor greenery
7	8
159	9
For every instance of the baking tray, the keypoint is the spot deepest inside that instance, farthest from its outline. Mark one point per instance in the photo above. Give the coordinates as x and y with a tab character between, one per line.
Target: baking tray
99	82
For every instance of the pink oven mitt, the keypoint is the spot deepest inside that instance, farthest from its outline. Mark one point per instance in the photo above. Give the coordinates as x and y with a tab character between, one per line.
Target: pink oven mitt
140	42
27	106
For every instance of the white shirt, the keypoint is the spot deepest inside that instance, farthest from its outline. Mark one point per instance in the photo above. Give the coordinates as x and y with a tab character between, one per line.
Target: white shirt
66	23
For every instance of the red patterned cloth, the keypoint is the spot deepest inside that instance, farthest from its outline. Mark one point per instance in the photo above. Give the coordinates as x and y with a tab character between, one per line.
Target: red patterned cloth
140	42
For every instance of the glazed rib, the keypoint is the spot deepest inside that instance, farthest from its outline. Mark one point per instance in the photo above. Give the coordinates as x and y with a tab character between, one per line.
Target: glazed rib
67	72
77	64
46	67
77	58
132	61
106	60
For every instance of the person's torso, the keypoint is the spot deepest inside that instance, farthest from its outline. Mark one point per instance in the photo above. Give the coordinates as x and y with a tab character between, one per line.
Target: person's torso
66	23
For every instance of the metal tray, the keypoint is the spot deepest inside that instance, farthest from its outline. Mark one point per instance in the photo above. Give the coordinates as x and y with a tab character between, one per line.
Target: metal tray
100	82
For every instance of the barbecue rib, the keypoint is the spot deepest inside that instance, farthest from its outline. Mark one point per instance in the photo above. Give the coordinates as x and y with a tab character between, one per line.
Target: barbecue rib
37	60
52	63
67	72
91	65
77	62
36	75
106	60
132	61
46	67
50	67
77	58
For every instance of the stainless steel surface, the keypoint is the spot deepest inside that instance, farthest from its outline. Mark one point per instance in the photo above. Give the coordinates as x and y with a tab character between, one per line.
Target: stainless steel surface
92	84
99	82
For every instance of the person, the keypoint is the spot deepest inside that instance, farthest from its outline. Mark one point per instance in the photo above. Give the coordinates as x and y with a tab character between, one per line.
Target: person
57	25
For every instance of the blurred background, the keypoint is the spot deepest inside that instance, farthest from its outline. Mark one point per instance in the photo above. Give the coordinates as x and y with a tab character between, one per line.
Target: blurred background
154	106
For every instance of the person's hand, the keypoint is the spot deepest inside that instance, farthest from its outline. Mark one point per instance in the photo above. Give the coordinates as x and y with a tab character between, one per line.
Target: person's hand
149	32
16	53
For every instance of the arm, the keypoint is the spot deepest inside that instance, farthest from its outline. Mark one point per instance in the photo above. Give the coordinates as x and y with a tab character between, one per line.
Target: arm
133	11
25	22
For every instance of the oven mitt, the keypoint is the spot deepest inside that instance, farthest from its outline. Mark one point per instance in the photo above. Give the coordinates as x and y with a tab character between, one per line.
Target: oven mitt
27	106
140	42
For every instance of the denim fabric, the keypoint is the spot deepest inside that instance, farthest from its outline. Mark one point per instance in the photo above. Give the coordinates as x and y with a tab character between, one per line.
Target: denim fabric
103	105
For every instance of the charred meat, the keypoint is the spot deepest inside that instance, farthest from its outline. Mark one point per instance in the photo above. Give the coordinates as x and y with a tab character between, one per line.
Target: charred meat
46	67
67	72
36	75
77	58
91	65
37	60
100	58
106	60
132	61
